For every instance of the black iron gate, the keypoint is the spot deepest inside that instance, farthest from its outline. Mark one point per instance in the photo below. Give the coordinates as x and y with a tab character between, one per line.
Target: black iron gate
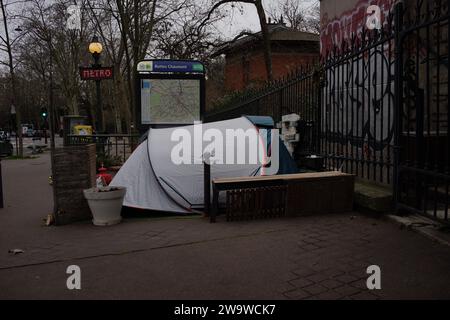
423	118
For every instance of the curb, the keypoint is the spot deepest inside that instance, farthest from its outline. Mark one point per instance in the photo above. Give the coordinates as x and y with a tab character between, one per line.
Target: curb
422	225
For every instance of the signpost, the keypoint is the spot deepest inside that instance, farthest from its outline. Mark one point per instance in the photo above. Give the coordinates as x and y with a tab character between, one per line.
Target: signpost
182	66
99	73
169	93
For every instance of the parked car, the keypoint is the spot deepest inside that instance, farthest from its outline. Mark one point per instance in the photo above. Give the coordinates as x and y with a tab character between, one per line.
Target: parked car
30	132
6	148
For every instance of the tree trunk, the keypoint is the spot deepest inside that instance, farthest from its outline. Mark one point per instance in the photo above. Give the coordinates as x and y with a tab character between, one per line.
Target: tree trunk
73	103
266	39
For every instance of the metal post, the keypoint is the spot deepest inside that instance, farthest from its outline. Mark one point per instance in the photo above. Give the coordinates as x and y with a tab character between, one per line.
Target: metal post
99	117
206	184
318	86
99	126
52	127
398	104
281	105
215	204
1	185
17	142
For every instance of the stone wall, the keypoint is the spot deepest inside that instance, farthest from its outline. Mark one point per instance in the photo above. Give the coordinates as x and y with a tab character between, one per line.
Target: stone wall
74	170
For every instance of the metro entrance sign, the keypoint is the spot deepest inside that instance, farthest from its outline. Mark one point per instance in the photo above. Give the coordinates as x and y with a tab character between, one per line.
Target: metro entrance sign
96	73
163	66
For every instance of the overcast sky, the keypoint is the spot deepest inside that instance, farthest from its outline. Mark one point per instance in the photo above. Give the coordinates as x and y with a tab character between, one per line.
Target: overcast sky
242	16
238	20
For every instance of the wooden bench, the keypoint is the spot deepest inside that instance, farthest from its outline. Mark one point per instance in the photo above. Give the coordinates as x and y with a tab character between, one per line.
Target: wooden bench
284	195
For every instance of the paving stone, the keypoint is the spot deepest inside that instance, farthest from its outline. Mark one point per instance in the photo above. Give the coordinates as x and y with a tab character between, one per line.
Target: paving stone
364	296
359	284
333	272
310	247
301	282
329	295
347	290
297	294
346	278
286	287
289	276
331	284
304	272
319	277
315	289
310	240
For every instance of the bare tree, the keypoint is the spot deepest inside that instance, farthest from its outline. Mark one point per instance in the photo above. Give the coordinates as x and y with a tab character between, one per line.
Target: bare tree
314	18
130	31
42	22
296	15
7	46
264	29
137	20
180	38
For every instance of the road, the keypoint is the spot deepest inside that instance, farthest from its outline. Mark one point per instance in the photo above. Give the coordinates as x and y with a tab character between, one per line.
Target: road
28	143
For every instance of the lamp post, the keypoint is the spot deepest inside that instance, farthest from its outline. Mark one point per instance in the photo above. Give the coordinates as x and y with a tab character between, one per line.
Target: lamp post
44	121
96	48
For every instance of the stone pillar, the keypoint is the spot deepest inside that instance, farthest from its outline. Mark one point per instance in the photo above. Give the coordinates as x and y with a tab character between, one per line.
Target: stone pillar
74	170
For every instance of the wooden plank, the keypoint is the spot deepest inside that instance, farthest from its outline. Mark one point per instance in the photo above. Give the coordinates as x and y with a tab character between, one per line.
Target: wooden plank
320	196
285	177
269	197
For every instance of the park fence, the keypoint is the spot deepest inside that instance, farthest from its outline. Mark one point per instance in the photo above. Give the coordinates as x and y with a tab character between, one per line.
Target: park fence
112	149
376	106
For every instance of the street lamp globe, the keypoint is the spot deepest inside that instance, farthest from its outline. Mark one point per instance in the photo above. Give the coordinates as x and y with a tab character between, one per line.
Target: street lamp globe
95	47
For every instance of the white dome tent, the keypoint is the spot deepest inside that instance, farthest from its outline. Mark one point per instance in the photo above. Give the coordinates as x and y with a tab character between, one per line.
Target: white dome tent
154	181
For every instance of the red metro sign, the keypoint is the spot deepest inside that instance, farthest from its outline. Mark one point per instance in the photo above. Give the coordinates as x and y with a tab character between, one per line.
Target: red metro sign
96	73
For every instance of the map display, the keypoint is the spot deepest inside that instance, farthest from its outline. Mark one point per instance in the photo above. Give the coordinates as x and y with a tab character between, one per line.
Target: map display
170	101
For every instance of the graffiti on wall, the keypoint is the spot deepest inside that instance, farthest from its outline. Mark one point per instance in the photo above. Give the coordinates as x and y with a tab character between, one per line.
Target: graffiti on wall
359	91
359	101
336	29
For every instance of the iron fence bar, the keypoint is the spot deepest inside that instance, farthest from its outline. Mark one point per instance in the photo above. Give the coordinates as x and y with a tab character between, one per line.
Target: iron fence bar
108	145
362	49
259	96
425	24
447	202
319	117
398	11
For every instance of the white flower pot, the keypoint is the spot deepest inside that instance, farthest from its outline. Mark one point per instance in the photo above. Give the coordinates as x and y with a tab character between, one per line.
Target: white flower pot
106	204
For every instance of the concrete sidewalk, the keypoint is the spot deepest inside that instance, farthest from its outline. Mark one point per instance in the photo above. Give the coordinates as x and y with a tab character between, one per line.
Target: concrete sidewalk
320	257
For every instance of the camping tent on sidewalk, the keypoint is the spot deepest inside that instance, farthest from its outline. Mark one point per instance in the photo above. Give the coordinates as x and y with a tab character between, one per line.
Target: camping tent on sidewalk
161	175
